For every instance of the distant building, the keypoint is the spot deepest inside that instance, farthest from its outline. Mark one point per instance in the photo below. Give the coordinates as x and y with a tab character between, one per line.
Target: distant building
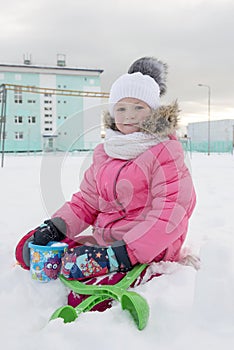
37	118
221	135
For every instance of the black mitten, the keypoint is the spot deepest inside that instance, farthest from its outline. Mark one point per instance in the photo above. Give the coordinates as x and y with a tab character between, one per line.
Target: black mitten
46	233
51	230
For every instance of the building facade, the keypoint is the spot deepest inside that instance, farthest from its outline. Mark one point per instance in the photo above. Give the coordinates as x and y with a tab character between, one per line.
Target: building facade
218	136
44	110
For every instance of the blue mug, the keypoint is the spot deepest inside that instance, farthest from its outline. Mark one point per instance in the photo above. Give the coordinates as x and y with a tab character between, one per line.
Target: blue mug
45	261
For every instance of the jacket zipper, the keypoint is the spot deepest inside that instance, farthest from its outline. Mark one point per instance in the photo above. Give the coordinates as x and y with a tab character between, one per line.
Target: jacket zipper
123	210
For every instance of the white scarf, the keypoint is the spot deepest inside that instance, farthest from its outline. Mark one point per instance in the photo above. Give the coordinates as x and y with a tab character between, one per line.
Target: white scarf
121	146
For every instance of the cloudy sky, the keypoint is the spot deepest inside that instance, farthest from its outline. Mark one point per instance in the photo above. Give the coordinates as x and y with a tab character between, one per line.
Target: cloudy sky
195	38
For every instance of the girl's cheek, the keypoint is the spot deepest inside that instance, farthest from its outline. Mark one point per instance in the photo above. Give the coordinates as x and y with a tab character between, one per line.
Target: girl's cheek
118	119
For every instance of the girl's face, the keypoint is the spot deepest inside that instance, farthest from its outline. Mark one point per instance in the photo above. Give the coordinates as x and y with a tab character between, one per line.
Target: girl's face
129	113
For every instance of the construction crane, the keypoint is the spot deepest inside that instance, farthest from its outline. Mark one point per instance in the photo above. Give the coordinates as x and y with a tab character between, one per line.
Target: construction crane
35	90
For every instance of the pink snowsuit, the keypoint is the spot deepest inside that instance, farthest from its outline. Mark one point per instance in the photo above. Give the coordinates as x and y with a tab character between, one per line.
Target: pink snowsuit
146	202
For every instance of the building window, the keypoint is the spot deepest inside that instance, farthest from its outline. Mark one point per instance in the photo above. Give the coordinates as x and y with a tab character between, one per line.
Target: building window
48	108
18	119
49	101
18	95
48	115
48	122
19	135
31	119
48	129
31	101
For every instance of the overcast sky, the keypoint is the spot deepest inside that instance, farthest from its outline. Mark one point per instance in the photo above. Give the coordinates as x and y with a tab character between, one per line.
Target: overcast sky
194	37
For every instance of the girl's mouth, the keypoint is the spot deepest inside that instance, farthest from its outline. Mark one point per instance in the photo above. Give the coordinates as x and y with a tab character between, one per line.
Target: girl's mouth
128	124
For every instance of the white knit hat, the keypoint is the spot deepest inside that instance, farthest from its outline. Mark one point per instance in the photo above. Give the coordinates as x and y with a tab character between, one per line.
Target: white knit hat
135	85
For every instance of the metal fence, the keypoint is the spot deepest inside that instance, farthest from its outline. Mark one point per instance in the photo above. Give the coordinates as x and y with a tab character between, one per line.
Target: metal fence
214	147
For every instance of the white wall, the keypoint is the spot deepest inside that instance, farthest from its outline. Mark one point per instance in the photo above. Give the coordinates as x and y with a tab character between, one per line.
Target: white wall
220	130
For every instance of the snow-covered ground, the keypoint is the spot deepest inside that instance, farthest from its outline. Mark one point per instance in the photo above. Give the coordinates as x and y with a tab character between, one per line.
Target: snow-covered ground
189	309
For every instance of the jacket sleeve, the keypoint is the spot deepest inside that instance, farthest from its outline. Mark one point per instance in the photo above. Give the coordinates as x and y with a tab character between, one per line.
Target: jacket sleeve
173	202
82	210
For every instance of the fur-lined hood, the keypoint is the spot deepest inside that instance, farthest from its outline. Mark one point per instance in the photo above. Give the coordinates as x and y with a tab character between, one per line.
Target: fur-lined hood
163	121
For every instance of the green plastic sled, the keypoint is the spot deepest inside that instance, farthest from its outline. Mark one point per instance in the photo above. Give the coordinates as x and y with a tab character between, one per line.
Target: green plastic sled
131	301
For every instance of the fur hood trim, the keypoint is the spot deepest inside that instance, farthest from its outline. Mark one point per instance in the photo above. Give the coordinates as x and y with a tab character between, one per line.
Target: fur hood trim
162	122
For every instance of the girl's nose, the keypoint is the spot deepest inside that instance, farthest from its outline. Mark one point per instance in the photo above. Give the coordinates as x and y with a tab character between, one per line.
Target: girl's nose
130	115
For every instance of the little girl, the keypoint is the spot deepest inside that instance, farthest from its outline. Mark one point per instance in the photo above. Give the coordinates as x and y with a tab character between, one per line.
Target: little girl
137	195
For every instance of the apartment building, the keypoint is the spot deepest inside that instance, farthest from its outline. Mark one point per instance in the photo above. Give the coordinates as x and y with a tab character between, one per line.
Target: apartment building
45	108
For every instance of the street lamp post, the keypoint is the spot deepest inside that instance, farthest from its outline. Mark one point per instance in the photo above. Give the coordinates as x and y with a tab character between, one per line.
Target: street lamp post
208	124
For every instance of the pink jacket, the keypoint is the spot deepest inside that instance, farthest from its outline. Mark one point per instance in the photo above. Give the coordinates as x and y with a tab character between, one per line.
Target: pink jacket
146	202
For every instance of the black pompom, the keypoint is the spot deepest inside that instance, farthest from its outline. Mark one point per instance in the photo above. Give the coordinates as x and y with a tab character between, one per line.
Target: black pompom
153	67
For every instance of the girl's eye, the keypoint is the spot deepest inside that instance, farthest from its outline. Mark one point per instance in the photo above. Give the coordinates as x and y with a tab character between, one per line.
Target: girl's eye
120	109
139	107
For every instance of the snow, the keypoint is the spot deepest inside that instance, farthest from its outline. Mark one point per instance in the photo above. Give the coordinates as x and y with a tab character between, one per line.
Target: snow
189	308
